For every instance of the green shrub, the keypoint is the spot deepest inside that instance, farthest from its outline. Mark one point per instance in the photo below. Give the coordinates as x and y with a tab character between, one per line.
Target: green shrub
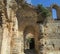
44	12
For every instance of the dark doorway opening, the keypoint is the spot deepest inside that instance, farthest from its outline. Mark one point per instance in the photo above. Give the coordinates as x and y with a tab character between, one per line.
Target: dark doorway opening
32	43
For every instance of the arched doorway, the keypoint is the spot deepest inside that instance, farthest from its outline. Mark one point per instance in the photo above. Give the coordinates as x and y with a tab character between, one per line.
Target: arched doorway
29	39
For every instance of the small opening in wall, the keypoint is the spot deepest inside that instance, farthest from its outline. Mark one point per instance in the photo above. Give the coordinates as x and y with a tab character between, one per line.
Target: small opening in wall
32	43
54	13
31	47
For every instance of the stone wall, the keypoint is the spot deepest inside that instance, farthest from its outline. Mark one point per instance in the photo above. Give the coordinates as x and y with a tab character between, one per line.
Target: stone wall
18	19
51	38
1	37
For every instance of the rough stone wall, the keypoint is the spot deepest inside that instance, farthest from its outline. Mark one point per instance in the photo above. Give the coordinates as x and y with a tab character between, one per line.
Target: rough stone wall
16	20
14	24
1	36
50	43
27	18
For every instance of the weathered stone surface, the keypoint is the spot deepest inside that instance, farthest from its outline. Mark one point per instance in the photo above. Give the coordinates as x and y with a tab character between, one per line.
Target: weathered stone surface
19	23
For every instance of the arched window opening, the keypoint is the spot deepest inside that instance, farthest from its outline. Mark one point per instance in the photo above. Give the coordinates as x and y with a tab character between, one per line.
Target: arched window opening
54	13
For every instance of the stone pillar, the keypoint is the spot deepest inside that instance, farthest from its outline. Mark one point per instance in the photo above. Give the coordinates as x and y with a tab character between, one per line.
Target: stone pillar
13	41
58	13
17	41
5	43
41	41
21	43
5	49
18	44
8	28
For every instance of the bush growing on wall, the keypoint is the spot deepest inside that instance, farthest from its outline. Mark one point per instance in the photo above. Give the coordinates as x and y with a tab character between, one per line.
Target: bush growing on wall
44	12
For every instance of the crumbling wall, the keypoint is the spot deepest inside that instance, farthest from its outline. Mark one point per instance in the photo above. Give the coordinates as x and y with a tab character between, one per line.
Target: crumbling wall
57	8
51	38
1	37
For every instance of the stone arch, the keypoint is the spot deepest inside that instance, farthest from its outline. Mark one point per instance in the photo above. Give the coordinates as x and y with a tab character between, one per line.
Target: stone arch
29	33
57	8
54	13
32	32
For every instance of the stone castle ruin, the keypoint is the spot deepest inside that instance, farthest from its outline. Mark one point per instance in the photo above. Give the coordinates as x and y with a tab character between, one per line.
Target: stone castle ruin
20	31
